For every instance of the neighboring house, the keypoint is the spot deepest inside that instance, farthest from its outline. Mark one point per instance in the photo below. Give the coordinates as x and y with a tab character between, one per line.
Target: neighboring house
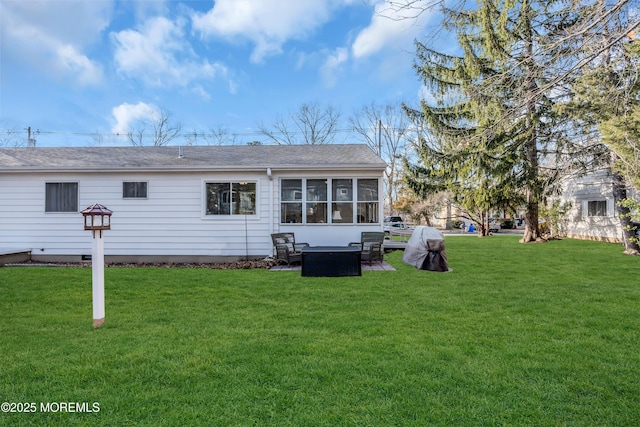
187	204
592	214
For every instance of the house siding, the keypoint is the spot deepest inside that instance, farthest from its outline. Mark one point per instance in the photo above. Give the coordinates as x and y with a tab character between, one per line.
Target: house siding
170	221
579	192
170	224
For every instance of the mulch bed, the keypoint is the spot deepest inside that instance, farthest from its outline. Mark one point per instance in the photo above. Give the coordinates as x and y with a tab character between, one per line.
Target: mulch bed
238	265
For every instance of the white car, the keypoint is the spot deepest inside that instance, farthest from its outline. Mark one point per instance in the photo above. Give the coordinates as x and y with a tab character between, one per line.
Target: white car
397	228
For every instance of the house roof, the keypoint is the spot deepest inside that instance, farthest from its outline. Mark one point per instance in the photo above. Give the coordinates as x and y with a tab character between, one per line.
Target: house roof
236	157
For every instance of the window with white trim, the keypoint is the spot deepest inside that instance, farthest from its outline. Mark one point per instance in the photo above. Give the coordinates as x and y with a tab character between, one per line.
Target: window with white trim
368	201
317	205
134	189
61	197
291	201
597	208
329	201
342	196
230	198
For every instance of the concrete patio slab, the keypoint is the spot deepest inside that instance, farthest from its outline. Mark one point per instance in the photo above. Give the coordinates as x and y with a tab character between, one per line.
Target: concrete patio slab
376	266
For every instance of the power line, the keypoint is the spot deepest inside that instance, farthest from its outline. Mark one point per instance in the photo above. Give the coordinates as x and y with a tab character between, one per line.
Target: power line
374	129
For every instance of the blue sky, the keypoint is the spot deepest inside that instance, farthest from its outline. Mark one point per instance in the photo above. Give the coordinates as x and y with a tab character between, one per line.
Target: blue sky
71	68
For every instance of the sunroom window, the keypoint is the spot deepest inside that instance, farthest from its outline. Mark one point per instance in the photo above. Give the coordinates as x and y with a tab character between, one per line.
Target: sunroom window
367	201
317	201
291	201
329	201
342	196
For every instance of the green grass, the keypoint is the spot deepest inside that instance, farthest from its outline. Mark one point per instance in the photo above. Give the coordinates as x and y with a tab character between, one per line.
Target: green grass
532	335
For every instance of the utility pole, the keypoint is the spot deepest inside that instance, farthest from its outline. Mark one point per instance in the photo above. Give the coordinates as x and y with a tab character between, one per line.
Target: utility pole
31	142
379	137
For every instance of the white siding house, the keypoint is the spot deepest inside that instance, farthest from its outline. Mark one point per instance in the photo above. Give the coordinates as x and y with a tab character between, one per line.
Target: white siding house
592	214
190	204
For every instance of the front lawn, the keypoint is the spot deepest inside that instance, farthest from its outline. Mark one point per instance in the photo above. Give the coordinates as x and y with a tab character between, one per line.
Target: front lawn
531	335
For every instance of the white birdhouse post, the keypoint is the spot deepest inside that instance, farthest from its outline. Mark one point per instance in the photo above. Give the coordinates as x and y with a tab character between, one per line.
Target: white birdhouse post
97	218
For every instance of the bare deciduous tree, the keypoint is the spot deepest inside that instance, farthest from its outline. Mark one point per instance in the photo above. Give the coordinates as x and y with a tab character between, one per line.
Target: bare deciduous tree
386	130
158	130
311	124
219	136
10	137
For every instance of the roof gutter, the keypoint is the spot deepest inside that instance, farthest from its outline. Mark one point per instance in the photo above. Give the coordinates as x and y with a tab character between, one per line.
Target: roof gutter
188	169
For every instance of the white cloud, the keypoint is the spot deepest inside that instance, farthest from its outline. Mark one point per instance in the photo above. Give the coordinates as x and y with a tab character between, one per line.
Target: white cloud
389	28
201	92
53	34
268	24
146	8
126	115
159	55
73	62
333	65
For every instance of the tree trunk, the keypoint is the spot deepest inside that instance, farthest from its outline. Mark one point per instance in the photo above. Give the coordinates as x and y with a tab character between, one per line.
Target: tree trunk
483	227
531	229
619	194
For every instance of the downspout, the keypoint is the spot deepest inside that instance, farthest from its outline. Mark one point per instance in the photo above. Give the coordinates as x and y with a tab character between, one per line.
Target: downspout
381	201
270	176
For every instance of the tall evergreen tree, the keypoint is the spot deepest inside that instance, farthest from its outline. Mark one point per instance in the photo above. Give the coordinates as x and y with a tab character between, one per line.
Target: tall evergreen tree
498	139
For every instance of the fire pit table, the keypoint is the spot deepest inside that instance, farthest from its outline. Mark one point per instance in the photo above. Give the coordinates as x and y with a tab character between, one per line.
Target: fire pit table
331	261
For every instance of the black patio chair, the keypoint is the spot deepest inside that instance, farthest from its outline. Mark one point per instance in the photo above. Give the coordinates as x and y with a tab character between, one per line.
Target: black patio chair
371	246
286	248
